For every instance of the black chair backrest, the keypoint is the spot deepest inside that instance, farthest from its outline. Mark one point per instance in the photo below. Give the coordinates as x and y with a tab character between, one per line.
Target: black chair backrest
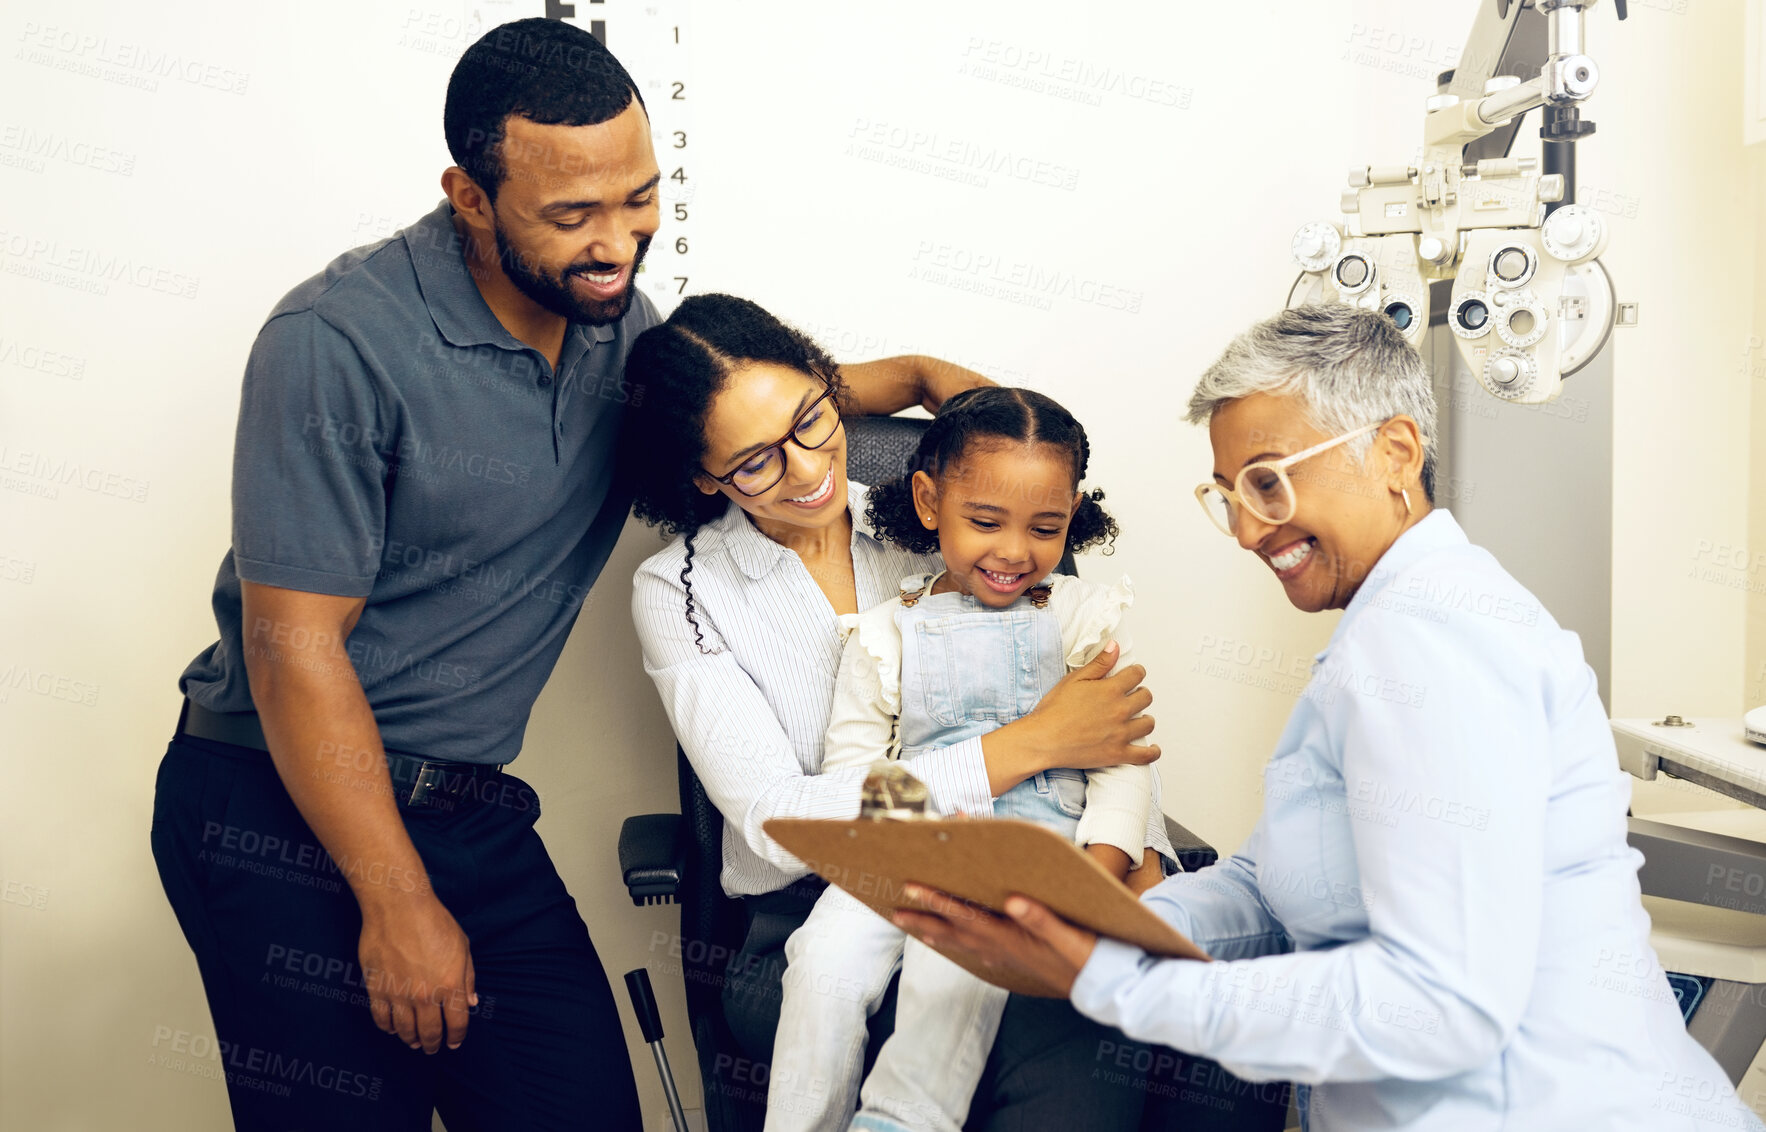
879	449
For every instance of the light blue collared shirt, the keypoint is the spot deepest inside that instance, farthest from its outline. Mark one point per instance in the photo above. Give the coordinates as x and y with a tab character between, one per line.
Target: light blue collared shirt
1436	922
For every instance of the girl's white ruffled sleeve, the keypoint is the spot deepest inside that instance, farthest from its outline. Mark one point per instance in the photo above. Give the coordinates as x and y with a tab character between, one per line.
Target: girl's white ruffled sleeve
1118	799
867	691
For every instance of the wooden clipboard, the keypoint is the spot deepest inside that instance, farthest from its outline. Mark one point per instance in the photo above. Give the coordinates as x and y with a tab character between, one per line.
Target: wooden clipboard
983	861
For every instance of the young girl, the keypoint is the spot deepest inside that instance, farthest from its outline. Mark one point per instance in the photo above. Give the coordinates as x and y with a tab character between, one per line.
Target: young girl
960	652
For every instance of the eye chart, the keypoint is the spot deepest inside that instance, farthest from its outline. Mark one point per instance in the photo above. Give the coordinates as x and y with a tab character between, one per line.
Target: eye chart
654	41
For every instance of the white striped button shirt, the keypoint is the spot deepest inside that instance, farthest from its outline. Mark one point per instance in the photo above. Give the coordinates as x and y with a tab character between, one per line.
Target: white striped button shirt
752	713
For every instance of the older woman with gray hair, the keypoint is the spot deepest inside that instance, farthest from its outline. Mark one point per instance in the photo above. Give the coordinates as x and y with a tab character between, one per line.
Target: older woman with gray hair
1436	922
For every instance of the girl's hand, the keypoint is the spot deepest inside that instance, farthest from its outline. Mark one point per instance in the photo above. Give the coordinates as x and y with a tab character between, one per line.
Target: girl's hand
1033	943
1092	719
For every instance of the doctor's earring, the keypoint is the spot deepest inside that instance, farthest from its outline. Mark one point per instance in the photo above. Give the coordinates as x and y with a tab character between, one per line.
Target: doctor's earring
1408	510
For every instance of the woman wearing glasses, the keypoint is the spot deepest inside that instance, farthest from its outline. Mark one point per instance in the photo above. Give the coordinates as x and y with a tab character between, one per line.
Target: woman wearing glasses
1436	921
736	448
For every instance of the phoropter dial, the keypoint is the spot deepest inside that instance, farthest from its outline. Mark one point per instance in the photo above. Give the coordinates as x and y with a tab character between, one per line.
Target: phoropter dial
1316	245
1521	321
1510	373
1471	315
1353	273
1512	265
1574	233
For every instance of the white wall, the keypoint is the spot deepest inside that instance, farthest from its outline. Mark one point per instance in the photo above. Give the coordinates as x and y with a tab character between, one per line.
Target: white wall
1676	179
1232	125
1750	362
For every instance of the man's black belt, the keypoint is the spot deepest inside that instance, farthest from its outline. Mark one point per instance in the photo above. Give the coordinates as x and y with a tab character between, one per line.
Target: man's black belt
416	781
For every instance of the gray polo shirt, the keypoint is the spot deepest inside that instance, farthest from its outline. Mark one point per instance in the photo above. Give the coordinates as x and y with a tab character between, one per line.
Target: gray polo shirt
397	443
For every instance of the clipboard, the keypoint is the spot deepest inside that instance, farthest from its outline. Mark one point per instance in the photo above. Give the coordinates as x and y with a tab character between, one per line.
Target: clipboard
983	861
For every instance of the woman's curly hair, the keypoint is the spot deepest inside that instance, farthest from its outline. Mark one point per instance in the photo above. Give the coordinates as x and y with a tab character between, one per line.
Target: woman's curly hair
674	371
990	413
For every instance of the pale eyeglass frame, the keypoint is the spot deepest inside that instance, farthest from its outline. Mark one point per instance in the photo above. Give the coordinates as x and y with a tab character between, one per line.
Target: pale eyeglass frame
1234	497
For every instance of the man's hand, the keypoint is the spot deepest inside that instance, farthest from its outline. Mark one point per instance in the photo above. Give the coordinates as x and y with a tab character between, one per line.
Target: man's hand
326	748
417	965
1034	943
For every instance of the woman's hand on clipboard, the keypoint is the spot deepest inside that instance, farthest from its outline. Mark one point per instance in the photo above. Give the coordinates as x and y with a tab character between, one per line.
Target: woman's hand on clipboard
1029	939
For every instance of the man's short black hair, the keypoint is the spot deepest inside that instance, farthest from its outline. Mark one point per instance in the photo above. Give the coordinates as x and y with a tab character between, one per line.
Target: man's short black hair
544	70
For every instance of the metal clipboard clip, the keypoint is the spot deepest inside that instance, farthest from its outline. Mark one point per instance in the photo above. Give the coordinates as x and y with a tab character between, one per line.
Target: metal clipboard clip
890	793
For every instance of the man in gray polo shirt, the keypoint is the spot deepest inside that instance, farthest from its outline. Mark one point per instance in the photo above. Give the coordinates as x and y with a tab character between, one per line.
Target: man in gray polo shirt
422	497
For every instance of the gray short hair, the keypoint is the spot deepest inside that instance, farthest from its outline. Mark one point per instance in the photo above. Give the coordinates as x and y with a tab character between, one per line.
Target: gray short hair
1347	367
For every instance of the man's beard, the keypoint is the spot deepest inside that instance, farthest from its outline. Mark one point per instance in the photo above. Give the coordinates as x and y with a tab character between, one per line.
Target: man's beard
554	293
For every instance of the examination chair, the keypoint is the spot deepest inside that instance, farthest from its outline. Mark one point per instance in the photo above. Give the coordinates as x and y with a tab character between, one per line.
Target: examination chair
678	858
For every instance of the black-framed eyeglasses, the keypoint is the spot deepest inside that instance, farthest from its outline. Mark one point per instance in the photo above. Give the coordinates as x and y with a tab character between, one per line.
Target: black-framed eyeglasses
761	471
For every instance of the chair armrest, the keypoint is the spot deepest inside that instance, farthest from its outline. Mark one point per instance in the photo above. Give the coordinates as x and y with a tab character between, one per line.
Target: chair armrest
653	857
1193	853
